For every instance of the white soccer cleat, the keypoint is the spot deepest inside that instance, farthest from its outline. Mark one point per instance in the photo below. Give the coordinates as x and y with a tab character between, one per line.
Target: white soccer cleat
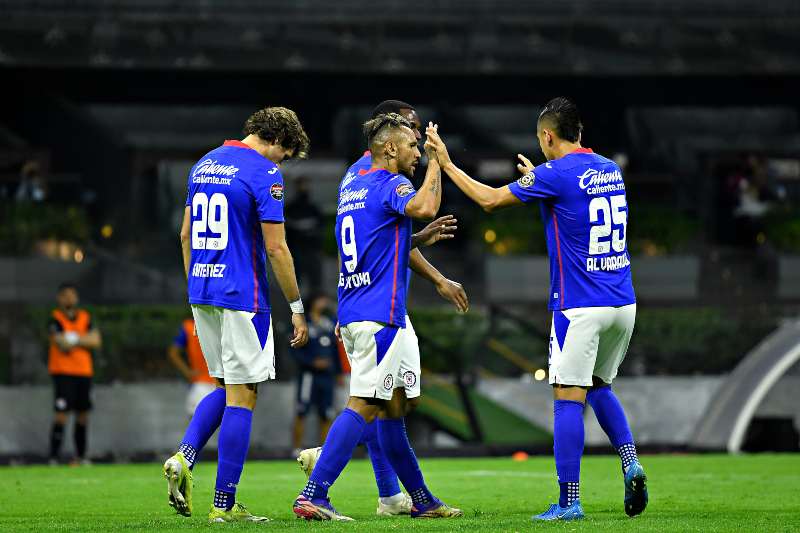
395	509
308	458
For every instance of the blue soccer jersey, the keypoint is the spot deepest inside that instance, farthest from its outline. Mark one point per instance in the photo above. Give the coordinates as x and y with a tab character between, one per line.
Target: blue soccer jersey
232	189
585	215
374	239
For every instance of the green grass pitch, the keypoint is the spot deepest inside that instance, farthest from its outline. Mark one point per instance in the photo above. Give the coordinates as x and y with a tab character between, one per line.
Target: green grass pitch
687	493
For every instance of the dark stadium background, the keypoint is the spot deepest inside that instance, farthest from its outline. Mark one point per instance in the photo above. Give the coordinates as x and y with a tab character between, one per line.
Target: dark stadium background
110	98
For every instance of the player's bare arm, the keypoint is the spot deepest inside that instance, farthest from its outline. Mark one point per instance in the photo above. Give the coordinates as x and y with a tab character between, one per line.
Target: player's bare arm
451	291
426	203
92	340
283	266
440	229
489	198
186	239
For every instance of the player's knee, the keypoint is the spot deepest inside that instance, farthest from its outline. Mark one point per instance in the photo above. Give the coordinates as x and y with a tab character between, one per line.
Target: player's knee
569	392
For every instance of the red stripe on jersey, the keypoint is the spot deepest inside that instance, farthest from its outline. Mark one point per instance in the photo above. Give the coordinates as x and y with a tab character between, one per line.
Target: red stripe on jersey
394	280
582	151
255	274
558	252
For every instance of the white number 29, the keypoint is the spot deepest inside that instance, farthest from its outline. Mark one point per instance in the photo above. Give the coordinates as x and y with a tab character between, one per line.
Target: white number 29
614	213
349	243
209	219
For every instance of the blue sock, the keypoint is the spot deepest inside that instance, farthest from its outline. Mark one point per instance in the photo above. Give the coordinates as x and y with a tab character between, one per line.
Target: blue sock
205	421
342	439
568	448
385	476
612	419
234	440
394	441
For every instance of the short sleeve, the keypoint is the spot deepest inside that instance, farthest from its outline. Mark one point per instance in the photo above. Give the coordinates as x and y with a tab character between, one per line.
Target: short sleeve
397	192
54	326
541	182
181	339
268	192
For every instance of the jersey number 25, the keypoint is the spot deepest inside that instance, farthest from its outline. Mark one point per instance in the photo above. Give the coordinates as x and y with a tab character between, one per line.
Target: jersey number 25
614	212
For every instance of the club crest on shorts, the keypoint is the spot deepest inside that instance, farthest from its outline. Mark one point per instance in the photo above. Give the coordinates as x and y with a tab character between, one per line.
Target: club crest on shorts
276	191
409	378
388	382
527	181
404	189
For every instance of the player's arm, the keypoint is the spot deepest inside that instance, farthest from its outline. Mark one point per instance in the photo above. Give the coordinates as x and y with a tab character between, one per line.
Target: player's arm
56	334
425	203
489	198
174	356
280	258
92	340
451	291
186	239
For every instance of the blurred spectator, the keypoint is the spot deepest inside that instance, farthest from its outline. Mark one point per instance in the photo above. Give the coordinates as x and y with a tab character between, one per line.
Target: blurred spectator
754	196
32	187
72	337
193	367
319	369
304	234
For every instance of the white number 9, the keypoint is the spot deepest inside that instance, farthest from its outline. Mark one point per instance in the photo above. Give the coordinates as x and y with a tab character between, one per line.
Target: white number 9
349	243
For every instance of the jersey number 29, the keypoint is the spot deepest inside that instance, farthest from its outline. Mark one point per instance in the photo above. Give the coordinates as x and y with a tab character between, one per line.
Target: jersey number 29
614	213
210	215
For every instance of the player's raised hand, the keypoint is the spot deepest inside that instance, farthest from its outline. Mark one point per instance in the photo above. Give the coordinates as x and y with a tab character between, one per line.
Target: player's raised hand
453	292
300	337
442	228
526	165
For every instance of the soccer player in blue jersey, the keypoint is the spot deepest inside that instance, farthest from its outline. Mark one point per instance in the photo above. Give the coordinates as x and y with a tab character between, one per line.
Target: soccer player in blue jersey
391	500
373	234
585	213
232	223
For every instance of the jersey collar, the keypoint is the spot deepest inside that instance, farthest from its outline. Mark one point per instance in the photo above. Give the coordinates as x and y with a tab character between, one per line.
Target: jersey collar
238	144
582	151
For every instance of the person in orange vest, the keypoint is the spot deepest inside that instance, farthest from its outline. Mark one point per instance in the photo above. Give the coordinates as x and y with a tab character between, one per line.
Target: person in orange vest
72	338
193	367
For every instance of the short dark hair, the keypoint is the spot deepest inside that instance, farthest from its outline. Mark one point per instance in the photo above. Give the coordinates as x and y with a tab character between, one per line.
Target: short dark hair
391	106
66	285
381	123
563	114
279	125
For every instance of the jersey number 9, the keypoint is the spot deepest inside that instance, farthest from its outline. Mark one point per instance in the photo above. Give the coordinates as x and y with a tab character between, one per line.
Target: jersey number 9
210	216
349	243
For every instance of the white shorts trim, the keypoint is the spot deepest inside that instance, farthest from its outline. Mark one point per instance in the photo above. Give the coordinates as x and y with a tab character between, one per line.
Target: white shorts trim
379	364
589	341
232	344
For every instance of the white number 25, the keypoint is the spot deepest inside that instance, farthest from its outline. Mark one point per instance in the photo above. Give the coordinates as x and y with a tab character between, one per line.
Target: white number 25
210	216
614	212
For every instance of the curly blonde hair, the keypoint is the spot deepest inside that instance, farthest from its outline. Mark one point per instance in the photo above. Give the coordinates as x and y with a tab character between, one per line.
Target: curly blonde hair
279	125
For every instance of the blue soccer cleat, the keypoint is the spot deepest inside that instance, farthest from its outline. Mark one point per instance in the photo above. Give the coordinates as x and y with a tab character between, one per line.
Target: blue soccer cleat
556	512
635	489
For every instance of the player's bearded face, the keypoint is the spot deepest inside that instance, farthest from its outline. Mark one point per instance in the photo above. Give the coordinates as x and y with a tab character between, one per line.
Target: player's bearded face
407	155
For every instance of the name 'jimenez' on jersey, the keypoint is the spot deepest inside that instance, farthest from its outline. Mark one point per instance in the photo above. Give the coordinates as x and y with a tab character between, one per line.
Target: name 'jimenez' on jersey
231	190
373	236
585	214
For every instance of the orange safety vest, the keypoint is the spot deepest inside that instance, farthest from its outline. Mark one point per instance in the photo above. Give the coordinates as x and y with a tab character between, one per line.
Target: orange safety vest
78	360
194	353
